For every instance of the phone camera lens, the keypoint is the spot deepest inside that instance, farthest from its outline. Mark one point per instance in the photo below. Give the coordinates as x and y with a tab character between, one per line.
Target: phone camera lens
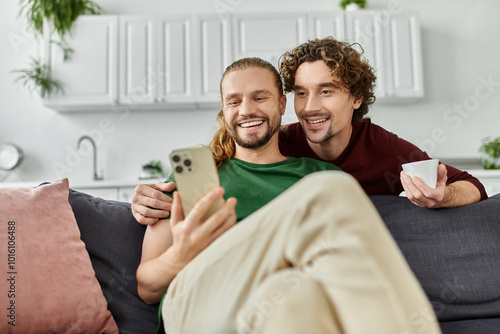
187	162
176	158
178	169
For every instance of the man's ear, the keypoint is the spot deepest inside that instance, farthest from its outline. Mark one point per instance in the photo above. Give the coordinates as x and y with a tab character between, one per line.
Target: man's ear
283	104
357	102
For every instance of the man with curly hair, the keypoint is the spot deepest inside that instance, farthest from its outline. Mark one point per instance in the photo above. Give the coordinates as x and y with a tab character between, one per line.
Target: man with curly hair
333	87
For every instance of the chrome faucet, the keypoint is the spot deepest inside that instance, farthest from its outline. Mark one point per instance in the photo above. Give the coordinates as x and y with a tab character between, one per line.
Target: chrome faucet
96	175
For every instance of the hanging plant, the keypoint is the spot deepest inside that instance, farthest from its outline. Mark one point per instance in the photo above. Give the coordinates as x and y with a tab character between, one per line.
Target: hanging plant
37	78
59	16
64	47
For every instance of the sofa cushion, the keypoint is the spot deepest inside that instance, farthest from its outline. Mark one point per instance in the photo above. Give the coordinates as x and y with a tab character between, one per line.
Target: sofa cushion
48	284
455	253
114	241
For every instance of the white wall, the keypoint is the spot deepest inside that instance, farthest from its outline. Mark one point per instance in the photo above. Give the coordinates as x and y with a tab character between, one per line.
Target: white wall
461	45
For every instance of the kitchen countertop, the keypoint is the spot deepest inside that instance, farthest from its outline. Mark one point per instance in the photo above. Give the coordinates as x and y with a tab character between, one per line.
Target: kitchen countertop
485	173
127	183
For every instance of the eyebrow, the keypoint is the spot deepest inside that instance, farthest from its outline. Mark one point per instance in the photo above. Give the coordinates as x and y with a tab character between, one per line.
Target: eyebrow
328	84
254	92
259	91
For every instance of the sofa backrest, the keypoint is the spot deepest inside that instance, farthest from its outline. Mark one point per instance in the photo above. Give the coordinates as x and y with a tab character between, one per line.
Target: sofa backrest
113	239
455	253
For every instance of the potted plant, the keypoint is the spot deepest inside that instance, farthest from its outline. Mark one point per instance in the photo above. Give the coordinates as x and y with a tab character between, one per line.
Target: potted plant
490	153
152	170
55	18
352	4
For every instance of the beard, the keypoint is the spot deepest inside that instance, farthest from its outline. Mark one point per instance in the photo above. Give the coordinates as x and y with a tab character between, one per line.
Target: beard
253	141
326	137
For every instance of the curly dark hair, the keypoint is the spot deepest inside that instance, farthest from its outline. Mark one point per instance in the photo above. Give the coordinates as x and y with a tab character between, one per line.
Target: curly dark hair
349	70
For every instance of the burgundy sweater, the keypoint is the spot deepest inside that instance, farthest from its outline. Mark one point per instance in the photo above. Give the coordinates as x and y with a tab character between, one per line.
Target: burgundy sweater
373	156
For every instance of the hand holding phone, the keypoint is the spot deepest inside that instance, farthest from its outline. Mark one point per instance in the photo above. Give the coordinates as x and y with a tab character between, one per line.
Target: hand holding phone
195	175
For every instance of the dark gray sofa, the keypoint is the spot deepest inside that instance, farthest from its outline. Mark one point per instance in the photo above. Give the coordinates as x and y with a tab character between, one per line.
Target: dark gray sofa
455	254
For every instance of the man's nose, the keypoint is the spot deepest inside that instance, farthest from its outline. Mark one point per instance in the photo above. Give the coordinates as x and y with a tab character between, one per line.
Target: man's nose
246	107
313	103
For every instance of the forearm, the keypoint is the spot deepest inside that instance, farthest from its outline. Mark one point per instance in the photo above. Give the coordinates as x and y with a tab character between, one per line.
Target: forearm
458	194
154	277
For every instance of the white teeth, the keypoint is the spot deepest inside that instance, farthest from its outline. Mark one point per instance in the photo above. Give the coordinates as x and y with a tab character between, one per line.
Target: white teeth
318	121
249	124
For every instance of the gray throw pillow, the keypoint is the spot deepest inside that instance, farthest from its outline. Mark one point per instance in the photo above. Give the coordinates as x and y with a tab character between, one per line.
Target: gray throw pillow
455	253
113	239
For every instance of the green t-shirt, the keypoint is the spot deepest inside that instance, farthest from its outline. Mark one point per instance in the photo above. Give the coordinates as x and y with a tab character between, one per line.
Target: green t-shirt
255	185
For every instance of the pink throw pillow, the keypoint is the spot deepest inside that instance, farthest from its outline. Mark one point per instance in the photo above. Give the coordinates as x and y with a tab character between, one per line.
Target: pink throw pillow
47	284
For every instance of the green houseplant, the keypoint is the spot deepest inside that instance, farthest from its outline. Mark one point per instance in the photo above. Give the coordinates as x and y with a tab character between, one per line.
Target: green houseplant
37	78
490	150
59	15
55	18
152	169
360	3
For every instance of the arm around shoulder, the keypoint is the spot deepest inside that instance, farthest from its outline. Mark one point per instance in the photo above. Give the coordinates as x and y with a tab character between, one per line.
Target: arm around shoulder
157	268
150	204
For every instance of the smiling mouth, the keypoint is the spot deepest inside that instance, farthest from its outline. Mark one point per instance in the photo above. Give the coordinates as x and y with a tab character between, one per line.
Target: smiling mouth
317	121
251	124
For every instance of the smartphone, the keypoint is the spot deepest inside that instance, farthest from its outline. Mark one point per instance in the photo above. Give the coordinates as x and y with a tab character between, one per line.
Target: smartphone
195	175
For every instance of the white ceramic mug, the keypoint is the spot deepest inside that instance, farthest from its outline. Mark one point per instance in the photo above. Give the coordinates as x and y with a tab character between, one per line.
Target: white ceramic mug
426	170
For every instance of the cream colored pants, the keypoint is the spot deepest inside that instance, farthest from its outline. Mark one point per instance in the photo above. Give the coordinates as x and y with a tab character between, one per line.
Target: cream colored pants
317	259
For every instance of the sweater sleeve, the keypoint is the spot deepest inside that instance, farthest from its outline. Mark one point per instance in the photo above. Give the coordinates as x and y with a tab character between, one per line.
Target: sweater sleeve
455	174
412	153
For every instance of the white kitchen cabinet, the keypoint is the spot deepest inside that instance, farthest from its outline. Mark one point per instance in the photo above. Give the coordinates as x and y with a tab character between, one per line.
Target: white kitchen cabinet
173	60
134	61
267	35
391	43
176	62
175	74
365	28
321	25
89	77
137	73
212	55
403	56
